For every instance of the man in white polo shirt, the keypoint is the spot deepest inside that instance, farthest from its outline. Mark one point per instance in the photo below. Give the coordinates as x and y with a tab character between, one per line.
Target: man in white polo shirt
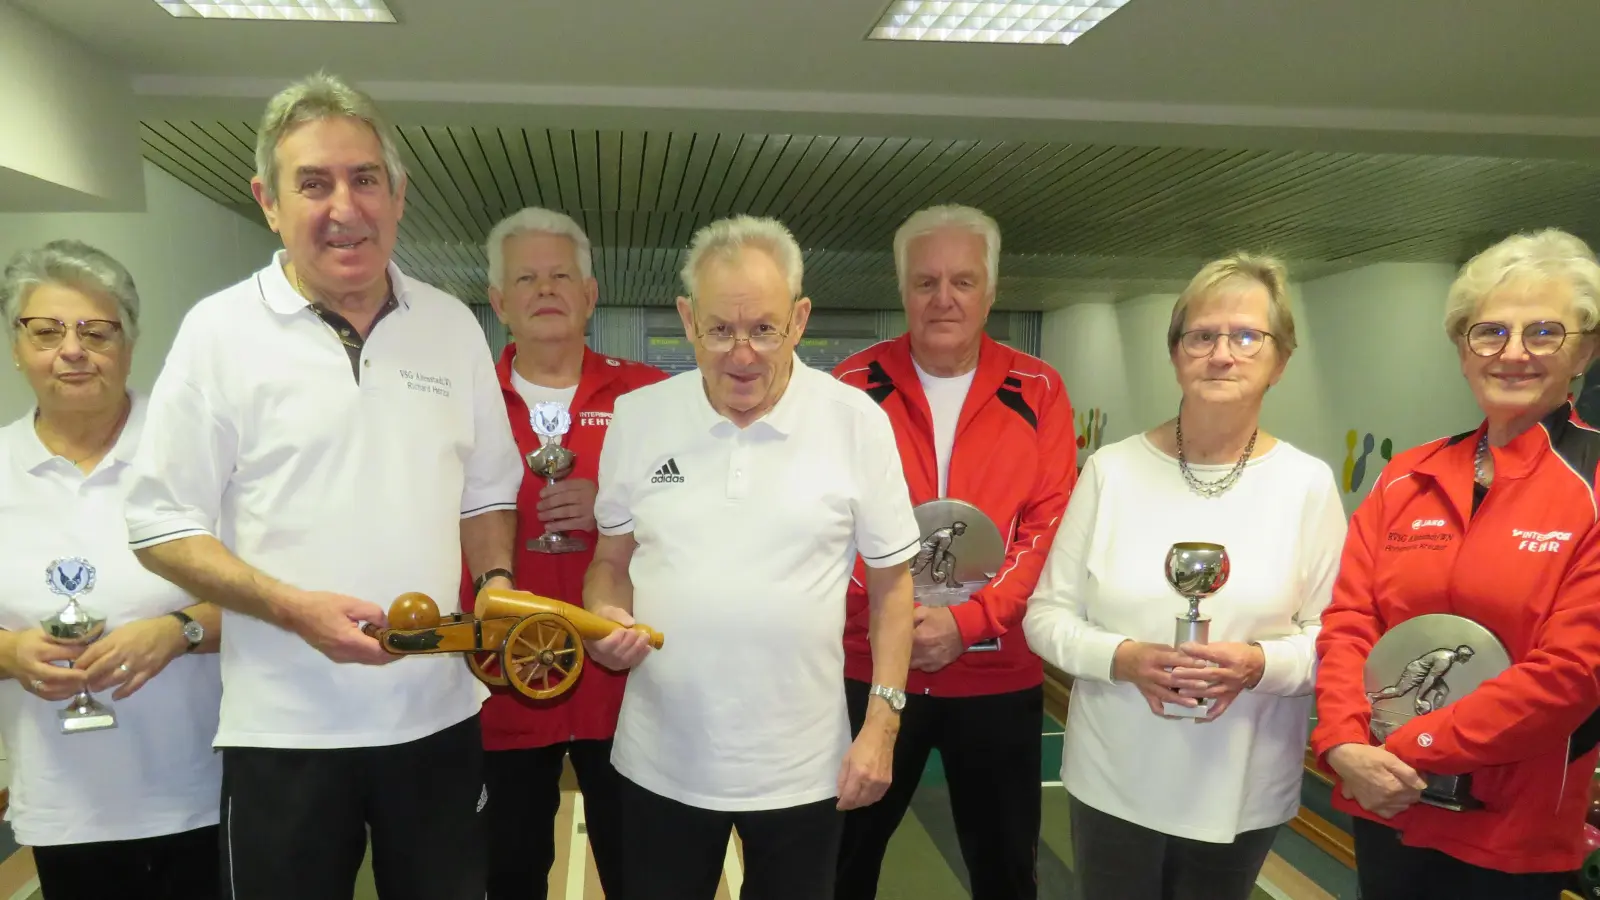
327	435
732	502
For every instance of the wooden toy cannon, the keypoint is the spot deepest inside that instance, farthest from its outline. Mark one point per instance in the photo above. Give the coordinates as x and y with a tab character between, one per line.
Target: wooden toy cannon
532	643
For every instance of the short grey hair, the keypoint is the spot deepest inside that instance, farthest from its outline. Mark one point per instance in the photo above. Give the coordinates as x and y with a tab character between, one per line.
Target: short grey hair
535	220
71	264
320	96
1249	268
724	238
1547	255
934	218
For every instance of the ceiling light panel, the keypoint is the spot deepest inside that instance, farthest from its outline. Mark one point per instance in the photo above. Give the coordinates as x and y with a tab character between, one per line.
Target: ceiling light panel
1015	22
281	10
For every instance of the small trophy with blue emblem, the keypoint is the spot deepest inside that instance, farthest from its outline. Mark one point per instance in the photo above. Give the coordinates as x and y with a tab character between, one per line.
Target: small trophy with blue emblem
551	422
71	578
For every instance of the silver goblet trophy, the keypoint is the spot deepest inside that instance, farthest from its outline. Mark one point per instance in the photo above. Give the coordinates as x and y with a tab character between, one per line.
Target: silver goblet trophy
1196	571
554	462
73	624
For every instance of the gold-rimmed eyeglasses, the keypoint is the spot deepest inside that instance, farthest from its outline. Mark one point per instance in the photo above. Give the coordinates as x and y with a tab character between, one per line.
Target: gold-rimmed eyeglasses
765	338
1538	338
95	335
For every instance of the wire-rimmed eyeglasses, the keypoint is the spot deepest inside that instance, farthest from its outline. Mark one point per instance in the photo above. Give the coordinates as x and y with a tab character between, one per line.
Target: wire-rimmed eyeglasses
47	333
1244	342
1538	338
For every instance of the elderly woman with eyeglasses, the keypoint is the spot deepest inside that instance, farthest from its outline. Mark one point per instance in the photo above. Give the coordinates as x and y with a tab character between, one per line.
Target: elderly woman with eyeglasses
125	802
1470	776
1182	762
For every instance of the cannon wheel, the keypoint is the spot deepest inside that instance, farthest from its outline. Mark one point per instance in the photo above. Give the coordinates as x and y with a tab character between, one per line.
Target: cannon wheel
486	665
542	656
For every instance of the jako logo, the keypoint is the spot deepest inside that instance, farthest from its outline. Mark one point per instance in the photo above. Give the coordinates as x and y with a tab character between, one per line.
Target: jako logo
668	473
1419	524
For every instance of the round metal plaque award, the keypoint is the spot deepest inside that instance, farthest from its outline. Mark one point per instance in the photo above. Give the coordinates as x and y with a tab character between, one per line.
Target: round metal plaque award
961	550
1424	664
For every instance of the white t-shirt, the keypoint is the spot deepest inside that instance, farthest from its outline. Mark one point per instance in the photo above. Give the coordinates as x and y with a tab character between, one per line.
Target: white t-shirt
945	398
746	541
1104	582
260	434
155	773
534	394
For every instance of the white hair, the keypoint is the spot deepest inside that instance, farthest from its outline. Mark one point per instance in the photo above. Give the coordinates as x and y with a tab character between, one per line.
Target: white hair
71	264
535	220
1547	255
320	96
934	218
725	238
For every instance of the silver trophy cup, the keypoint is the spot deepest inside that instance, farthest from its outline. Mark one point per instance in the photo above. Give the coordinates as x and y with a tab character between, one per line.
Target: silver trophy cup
73	624
1196	571
961	550
553	462
1424	664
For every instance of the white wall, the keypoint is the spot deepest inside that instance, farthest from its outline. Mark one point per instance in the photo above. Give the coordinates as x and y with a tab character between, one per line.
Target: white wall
181	248
1372	358
70	140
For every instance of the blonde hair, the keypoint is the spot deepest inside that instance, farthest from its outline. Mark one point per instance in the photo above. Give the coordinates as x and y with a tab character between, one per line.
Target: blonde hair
1240	267
1547	255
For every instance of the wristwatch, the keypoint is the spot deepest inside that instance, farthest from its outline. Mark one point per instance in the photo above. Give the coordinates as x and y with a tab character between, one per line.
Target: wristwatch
193	631
895	697
492	573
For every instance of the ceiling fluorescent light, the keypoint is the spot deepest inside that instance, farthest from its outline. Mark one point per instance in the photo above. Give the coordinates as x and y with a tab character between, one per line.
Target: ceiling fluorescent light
1006	22
281	10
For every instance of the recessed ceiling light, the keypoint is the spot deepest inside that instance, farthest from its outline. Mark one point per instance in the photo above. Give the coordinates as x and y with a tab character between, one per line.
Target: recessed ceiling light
1009	22
281	10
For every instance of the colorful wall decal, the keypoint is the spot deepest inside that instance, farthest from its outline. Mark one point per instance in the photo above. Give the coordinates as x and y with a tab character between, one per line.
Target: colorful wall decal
1356	465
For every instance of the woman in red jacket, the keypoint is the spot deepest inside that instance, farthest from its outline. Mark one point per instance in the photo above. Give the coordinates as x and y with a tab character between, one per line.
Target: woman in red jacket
1498	526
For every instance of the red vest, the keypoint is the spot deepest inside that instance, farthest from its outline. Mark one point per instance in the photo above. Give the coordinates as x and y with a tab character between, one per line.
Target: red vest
588	711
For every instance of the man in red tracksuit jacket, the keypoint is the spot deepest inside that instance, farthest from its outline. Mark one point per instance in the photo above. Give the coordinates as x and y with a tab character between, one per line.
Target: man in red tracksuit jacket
979	422
541	287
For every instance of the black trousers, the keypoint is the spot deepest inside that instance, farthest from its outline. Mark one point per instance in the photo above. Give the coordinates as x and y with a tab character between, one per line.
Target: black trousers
676	852
1388	870
179	866
990	747
295	822
1115	859
524	797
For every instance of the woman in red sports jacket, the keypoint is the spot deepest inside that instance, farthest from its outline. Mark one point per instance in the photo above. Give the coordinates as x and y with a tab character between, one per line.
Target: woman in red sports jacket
1499	526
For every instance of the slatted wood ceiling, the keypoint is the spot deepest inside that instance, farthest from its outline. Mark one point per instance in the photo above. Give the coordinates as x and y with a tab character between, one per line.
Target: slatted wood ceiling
1077	218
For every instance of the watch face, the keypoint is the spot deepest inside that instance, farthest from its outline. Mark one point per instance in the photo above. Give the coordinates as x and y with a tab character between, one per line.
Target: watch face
194	632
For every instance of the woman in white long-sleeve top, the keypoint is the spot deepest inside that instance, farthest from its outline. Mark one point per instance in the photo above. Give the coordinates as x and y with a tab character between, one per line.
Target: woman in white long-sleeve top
1182	807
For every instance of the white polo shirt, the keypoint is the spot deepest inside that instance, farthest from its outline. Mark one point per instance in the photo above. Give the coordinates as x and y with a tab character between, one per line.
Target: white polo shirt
746	542
260	434
155	773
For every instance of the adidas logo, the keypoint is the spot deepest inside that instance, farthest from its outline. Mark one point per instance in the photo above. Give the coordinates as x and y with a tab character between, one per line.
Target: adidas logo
668	473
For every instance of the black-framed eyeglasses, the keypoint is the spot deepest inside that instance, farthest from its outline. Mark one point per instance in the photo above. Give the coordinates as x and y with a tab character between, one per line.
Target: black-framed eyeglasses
1538	338
722	338
95	335
1244	342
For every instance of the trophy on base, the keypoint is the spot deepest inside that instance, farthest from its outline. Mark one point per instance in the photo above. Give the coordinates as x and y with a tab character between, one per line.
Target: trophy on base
1423	664
961	550
73	624
1196	571
554	462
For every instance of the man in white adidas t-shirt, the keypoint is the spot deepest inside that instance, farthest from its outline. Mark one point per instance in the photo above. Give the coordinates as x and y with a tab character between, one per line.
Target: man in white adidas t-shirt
733	502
